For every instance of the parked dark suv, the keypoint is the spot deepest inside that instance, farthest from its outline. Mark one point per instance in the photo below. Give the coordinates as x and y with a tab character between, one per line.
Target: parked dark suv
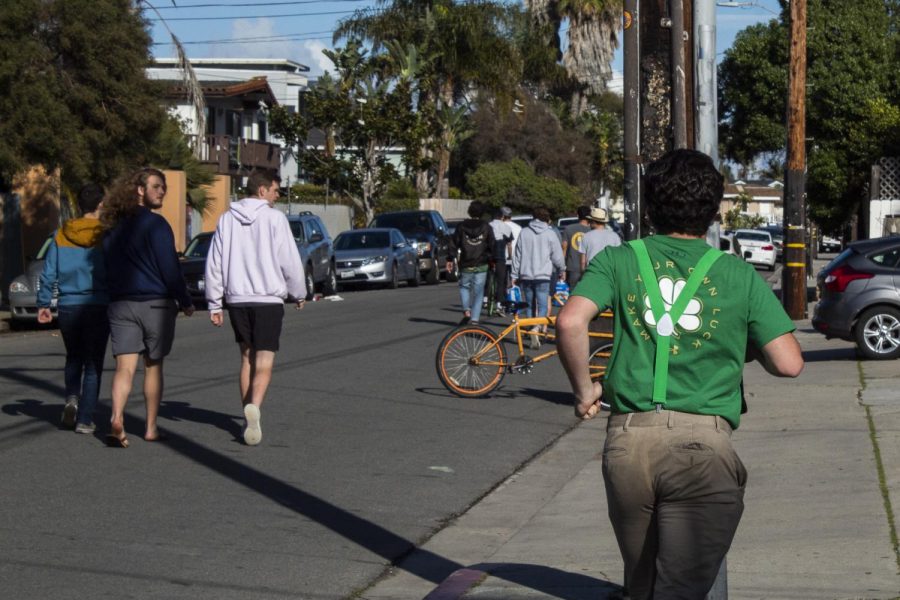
316	251
859	297
432	236
313	241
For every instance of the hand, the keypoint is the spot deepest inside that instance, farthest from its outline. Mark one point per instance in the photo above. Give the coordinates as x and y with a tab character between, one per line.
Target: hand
188	310
44	315
588	408
300	304
217	318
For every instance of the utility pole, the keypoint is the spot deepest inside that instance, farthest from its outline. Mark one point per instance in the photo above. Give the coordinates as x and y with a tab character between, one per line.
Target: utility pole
793	286
631	25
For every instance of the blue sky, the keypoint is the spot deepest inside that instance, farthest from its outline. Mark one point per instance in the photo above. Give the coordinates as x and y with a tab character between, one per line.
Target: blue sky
300	30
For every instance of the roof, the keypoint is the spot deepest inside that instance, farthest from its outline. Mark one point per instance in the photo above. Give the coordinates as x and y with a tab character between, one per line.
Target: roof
270	64
257	86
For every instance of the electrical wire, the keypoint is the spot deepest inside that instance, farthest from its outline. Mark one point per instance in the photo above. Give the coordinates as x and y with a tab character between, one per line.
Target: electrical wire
309	14
253	4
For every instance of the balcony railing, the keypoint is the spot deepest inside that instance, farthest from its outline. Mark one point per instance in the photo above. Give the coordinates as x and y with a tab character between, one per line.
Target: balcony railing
235	156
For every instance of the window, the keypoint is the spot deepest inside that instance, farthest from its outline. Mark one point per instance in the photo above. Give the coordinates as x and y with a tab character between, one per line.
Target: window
297	230
886	258
314	228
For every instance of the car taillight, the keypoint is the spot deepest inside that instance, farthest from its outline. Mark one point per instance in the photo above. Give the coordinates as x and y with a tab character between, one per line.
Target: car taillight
840	278
768	247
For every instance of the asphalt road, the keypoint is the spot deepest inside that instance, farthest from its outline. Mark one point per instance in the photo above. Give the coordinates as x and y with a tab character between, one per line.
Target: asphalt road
364	455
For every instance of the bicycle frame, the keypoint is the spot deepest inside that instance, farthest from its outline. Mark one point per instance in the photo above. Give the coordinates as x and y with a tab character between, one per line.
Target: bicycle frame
522	328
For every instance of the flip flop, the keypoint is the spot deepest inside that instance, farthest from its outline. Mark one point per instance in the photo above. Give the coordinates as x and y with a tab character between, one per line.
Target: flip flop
160	437
114	441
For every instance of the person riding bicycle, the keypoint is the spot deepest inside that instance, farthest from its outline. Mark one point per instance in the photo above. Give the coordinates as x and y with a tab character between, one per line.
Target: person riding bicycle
685	317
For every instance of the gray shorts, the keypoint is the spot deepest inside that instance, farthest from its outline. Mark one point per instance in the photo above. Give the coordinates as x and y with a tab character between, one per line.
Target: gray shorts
146	327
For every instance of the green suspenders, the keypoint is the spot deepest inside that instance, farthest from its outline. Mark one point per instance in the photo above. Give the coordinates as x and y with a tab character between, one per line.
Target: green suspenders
665	321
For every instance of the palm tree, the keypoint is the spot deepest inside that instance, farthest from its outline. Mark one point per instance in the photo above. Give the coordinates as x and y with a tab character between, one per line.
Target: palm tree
463	48
592	39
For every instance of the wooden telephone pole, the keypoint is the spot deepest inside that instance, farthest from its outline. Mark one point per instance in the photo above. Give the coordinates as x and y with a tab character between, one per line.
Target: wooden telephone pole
793	286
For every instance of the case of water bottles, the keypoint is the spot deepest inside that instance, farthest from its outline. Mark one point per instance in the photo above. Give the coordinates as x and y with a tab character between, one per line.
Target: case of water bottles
561	293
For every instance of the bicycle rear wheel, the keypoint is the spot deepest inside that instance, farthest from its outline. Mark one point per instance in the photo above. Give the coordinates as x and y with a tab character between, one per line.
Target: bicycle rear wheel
469	362
599	360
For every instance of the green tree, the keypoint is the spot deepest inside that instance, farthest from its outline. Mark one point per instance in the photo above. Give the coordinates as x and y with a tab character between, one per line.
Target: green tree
591	41
171	150
516	185
464	46
851	99
364	115
77	97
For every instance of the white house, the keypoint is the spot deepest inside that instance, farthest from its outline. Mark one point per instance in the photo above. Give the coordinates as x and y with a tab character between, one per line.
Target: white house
286	81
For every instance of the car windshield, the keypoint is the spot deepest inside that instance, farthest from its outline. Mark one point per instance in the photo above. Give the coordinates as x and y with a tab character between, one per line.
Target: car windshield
199	247
405	222
755	237
43	251
361	240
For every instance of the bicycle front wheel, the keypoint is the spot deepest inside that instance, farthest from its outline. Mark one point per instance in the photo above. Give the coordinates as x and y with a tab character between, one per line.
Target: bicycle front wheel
470	361
599	360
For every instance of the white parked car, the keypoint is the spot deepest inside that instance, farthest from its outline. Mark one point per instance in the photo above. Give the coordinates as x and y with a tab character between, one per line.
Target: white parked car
756	247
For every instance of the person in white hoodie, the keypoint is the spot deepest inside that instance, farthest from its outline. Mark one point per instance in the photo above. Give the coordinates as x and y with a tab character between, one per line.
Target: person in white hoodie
254	265
538	252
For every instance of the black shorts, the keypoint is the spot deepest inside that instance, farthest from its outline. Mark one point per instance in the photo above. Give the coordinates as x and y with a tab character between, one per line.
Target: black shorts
257	325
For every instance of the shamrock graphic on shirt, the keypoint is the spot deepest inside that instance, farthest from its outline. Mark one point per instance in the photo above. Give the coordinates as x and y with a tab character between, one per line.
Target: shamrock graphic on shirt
670	290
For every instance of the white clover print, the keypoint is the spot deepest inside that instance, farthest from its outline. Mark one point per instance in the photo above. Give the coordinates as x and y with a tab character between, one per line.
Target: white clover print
670	290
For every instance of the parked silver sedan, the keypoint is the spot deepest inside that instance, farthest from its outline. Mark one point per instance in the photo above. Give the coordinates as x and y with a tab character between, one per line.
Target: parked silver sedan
375	256
24	288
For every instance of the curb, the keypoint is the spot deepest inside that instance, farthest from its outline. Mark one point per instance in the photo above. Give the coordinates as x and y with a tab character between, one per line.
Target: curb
457	583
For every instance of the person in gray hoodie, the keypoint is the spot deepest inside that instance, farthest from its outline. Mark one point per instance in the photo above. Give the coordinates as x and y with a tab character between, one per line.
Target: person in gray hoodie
253	265
538	253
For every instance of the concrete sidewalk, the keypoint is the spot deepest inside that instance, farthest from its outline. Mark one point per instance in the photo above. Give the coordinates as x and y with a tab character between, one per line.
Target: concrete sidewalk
815	524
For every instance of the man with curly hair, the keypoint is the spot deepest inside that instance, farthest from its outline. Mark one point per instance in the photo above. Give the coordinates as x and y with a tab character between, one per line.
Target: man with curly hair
146	291
686	318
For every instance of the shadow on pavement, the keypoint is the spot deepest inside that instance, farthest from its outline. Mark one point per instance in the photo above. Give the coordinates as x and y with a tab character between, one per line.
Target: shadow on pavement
184	411
830	354
561	584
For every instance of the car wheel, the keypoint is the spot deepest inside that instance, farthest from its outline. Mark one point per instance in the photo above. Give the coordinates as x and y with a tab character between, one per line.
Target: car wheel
394	281
310	283
453	274
434	275
414	282
877	333
331	286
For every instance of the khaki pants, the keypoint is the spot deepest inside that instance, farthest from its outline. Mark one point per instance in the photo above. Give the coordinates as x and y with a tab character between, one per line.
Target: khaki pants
675	490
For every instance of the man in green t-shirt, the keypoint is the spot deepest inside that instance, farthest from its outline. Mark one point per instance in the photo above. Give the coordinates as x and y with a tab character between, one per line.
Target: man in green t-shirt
674	483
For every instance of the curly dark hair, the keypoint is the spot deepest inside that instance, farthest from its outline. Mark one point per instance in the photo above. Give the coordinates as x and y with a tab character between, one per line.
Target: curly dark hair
683	191
123	199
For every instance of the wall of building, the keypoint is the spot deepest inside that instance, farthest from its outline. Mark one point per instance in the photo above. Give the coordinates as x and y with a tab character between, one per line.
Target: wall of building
337	218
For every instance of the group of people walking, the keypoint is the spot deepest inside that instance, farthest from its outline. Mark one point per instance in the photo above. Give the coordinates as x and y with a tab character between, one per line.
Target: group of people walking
532	257
117	276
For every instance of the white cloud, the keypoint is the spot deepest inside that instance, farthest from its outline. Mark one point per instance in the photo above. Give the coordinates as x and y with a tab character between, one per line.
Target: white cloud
270	45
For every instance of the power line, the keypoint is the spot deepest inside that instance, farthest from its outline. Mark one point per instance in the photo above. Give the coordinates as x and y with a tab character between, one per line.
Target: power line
251	5
259	38
310	14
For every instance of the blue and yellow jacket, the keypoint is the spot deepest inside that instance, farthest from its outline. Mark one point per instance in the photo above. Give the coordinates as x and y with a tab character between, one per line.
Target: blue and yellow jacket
74	263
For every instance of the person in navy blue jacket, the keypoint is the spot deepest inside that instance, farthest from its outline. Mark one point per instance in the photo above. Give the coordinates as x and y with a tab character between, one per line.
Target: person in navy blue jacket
146	290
